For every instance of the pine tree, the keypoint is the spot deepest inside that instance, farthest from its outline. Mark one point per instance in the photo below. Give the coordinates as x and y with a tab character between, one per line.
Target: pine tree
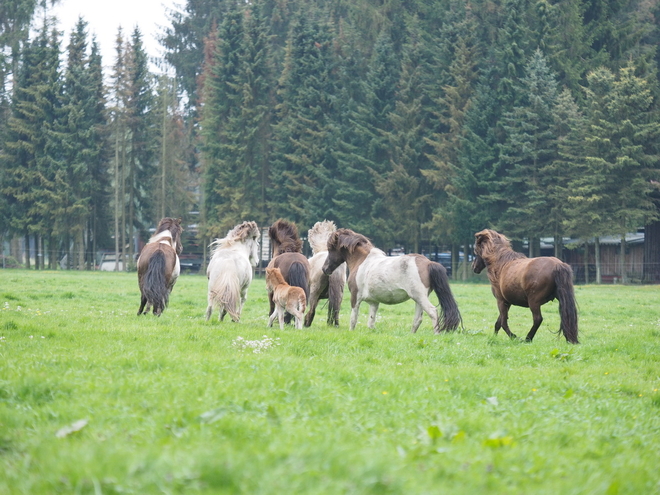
530	146
29	183
406	196
302	165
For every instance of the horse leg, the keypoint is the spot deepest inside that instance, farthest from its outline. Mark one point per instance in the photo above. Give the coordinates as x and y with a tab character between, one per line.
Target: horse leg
417	318
209	312
373	309
355	312
313	302
502	321
537	318
422	303
143	301
222	314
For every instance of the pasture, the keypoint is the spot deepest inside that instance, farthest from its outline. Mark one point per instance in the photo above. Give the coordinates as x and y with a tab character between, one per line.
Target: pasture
94	399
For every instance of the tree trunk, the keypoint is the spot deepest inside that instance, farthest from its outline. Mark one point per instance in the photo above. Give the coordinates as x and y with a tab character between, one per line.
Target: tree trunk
586	262
454	261
651	270
597	256
81	248
27	251
622	261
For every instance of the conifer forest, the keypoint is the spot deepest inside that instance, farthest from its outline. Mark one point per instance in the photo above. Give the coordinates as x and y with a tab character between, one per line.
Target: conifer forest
414	122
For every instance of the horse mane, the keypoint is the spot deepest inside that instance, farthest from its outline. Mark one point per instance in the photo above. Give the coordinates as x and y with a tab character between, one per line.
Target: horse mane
173	225
240	233
493	245
284	237
347	239
318	235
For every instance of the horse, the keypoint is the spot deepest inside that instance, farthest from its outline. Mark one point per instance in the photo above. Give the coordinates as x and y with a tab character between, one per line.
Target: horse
322	286
287	299
527	282
377	278
230	270
287	256
158	266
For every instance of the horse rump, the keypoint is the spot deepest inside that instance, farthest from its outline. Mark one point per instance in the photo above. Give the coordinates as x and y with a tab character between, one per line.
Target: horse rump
440	285
225	294
567	306
153	283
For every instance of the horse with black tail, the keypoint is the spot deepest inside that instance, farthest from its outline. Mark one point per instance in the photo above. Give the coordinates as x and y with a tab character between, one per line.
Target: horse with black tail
377	278
322	286
287	255
527	282
158	266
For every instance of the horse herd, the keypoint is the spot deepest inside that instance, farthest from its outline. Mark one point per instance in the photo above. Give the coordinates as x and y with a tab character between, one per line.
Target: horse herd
296	283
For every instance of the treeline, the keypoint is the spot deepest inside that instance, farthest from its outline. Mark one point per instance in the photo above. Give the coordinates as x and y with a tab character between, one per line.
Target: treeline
420	123
416	123
86	161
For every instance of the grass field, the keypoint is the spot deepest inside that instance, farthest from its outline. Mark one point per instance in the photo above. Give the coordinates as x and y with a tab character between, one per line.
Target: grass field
94	399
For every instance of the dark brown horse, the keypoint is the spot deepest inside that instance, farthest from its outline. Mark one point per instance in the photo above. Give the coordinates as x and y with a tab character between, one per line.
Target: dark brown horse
376	278
286	248
528	282
158	266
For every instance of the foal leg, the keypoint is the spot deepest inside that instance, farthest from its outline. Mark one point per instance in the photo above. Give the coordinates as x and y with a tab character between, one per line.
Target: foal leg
272	318
502	321
537	318
373	309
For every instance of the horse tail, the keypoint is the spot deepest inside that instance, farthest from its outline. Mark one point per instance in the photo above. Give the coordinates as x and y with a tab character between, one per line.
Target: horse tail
225	294
154	284
440	285
298	277
567	305
335	295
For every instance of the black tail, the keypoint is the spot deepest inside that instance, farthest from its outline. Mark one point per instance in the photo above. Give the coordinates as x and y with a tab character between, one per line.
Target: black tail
335	296
567	305
154	285
297	277
440	284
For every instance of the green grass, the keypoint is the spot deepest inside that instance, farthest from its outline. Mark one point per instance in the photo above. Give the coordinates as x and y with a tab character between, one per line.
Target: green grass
175	405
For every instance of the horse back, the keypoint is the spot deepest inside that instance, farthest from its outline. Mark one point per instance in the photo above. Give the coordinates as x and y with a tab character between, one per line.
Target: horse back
529	279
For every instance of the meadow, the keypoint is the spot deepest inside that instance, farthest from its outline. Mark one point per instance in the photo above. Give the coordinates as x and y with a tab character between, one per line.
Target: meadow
94	399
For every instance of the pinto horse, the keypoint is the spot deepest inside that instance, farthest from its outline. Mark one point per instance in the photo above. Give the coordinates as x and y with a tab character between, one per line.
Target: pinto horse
287	256
376	278
230	270
158	266
527	282
322	286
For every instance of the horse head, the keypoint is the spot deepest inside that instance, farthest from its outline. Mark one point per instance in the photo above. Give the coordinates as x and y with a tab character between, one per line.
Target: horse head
341	244
173	225
489	246
318	235
284	237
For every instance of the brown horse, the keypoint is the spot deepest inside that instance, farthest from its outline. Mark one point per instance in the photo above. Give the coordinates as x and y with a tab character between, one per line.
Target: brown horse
158	266
287	256
527	282
322	286
377	278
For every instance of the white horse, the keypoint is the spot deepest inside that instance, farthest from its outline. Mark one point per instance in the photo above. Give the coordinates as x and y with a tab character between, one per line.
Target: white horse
376	278
230	270
322	286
